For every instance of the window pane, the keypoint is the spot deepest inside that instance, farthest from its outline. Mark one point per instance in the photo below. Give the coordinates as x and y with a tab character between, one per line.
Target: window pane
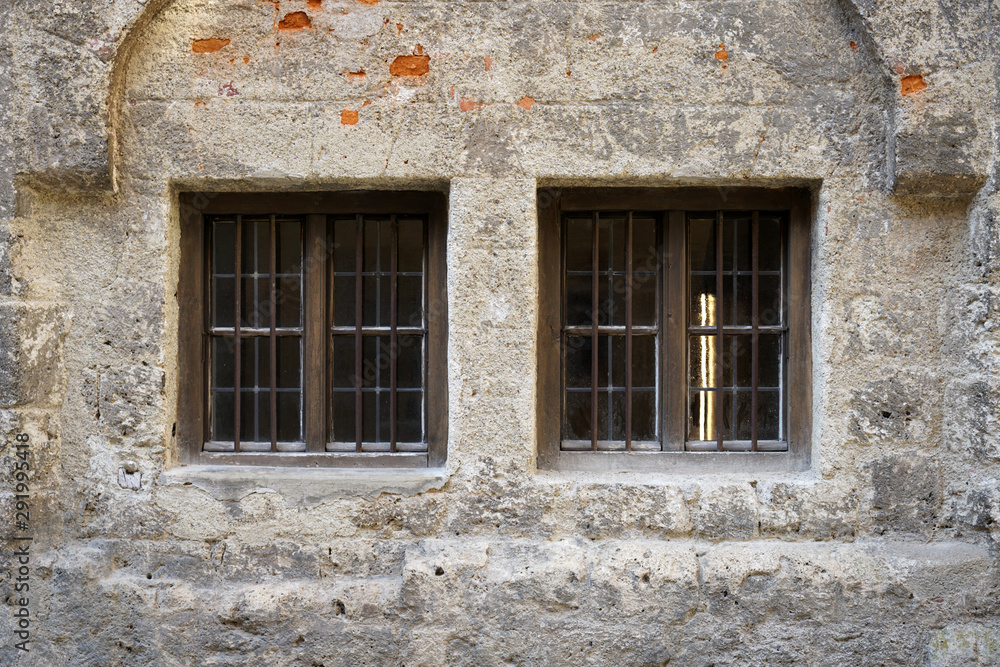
618	401
769	243
579	244
343	301
343	416
769	300
224	247
769	360
703	301
578	306
222	415
578	360
223	302
289	246
744	244
701	244
289	366
703	356
643	415
577	424
343	361
263	416
289	416
744	404
344	244
248	416
410	246
702	419
644	364
223	352
644	299
768	415
409	410
409	362
289	305
411	301
645	254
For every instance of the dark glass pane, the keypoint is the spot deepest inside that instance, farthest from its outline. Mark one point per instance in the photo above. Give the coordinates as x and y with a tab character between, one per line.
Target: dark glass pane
251	294
728	397
369	414
289	249
409	361
578	306
603	349
223	302
603	244
224	247
343	301
728	302
577	426
744	405
375	361
701	413
703	357
604	306
372	244
264	416
411	245
744	300
248	362
769	360
644	368
617	359
248	417
768	416
263	353
409	424
617	225
703	301
289	302
731	349
644	300
701	244
645	258
618	401
411	301
289	365
579	245
769	244
343	361
744	359
370	300
222	416
344	244
385	299
643	415
769	300
256	245
384	417
223	351
728	263
343	416
617	305
744	244
602	415
578	360
289	416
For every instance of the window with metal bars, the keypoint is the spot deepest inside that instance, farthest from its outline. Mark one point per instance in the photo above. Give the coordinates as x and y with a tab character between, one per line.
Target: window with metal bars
677	322
317	332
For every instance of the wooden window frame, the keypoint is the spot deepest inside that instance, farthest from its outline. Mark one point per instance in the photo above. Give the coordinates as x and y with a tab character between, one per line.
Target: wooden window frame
673	203
192	349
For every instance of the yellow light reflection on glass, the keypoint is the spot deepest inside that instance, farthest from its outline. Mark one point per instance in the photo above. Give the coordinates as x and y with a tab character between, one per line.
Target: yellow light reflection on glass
706	406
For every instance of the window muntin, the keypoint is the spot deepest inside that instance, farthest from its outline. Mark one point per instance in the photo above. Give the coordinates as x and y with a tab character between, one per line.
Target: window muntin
289	305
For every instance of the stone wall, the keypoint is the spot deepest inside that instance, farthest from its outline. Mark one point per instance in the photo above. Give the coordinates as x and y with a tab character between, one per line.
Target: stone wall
884	551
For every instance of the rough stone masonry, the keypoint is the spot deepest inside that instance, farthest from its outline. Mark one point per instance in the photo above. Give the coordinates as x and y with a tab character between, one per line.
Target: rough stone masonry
885	551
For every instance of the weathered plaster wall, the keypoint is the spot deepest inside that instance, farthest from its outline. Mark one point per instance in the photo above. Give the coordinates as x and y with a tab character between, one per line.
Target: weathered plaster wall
884	551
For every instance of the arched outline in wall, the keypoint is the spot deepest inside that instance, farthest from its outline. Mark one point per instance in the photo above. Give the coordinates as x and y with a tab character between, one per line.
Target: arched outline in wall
875	61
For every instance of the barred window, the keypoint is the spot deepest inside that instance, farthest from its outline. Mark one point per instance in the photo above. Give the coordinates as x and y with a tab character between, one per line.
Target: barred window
682	320
321	329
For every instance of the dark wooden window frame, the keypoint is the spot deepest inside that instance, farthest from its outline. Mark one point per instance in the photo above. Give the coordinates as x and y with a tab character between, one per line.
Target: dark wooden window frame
193	353
673	203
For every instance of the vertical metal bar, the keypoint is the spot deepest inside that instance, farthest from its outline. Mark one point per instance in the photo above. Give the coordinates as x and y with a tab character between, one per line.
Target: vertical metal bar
720	381
393	314
755	319
273	290
236	329
358	323
595	290
628	332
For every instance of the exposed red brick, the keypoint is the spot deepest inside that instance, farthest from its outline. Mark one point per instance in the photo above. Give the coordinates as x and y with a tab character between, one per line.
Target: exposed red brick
469	105
399	28
594	37
210	45
246	60
365	103
314	4
295	21
410	66
419	50
568	74
526	103
721	53
489	63
199	103
854	47
356	76
912	84
368	2
348	117
655	48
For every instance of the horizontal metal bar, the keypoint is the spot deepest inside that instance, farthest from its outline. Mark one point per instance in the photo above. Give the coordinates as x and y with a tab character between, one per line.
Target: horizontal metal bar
377	331
605	389
612	330
610	446
736	445
251	446
738	329
249	333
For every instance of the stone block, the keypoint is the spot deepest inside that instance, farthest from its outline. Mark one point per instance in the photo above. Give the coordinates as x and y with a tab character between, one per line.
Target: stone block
31	348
